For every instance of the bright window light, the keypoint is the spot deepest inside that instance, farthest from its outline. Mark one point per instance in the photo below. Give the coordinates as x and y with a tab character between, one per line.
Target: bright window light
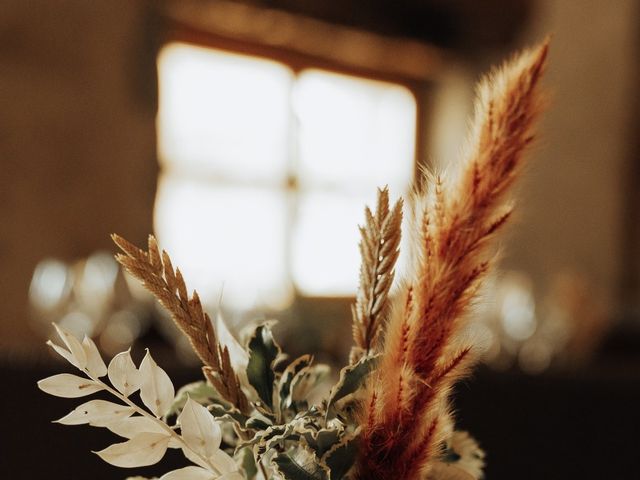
354	133
265	173
226	239
223	115
326	259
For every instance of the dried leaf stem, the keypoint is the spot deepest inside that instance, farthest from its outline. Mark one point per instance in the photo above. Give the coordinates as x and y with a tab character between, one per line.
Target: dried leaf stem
155	271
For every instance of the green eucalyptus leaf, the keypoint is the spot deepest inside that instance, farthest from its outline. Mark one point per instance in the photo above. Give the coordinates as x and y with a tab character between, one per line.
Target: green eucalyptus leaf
200	392
231	414
262	437
257	423
295	368
268	414
342	456
263	352
247	462
322	440
301	465
305	381
351	379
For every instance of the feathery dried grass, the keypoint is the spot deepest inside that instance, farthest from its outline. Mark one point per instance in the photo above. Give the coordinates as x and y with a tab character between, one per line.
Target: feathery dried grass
407	415
155	271
380	239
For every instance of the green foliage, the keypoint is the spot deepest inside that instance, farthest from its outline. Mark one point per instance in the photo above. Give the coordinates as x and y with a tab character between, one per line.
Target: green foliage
342	456
285	432
263	353
294	372
248	463
299	466
201	392
351	379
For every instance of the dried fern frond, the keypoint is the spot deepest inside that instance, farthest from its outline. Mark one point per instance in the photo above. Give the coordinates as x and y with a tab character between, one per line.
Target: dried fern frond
155	271
407	416
380	239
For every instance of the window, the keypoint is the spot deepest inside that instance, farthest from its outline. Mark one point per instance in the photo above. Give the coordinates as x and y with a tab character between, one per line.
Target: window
265	172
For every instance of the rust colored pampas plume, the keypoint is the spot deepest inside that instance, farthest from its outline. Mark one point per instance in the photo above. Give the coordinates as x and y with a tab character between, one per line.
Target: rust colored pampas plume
406	415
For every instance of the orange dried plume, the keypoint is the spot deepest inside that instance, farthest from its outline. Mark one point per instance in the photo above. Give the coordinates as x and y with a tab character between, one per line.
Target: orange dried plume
407	416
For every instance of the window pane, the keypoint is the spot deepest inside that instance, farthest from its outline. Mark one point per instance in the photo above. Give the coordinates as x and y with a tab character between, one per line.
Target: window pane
354	133
222	114
224	238
326	260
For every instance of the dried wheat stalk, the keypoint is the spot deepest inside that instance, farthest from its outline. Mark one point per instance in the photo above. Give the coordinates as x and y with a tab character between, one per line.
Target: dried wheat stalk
407	415
379	251
155	271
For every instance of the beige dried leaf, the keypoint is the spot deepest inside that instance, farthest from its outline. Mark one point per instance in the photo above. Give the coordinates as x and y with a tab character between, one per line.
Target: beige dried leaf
97	413
123	374
156	389
95	364
68	386
77	356
142	450
189	473
199	430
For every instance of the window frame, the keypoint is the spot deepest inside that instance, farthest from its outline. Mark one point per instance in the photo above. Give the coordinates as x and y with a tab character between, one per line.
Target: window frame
306	306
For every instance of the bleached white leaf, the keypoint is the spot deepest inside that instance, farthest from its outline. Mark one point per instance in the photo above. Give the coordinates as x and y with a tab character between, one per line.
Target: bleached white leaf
97	413
156	389
231	476
123	374
142	450
237	353
132	426
239	356
64	353
189	473
199	430
68	386
78	357
95	364
223	462
193	457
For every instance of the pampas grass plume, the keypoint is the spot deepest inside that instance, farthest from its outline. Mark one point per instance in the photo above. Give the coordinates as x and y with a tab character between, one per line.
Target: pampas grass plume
406	417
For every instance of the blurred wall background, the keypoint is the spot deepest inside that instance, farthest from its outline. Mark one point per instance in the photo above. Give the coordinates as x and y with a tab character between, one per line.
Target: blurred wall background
574	212
78	102
78	94
78	142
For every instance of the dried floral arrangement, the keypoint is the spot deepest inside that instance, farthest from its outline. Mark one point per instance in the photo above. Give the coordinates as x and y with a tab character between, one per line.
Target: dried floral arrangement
389	414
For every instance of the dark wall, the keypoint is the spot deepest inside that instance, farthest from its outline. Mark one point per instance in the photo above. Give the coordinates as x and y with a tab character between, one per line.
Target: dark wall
77	140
